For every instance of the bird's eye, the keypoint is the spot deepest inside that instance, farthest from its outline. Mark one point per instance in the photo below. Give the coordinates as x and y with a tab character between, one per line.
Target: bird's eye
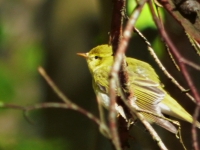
96	57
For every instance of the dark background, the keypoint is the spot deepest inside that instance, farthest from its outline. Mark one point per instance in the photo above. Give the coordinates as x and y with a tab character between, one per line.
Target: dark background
50	33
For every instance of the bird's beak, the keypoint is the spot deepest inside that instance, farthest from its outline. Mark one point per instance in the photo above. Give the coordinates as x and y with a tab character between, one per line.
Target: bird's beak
82	55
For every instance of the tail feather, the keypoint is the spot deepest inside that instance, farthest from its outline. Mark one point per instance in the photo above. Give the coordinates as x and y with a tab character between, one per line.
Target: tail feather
172	108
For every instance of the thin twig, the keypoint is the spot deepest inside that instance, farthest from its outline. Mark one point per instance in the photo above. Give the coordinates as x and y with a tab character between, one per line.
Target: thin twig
53	86
13	106
194	43
68	104
194	132
171	57
161	66
65	106
191	64
167	48
18	107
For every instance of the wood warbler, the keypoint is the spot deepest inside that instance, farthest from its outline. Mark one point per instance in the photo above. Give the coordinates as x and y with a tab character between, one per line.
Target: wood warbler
144	83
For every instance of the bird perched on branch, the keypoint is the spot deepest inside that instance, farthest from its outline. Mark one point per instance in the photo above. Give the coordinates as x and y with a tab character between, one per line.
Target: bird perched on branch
144	83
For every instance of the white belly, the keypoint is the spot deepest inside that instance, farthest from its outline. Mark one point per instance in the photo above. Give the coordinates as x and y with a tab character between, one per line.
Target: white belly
105	101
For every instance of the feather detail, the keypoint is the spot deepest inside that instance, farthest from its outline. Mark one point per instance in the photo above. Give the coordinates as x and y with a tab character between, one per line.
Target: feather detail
148	98
171	107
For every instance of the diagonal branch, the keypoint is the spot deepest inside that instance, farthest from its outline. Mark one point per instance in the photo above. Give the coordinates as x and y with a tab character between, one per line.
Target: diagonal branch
117	65
194	132
68	104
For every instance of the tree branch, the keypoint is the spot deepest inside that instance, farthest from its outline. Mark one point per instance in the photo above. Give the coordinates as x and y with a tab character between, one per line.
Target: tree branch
119	56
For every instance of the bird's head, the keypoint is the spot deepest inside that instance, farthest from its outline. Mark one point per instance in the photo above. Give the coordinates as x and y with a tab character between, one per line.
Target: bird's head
97	56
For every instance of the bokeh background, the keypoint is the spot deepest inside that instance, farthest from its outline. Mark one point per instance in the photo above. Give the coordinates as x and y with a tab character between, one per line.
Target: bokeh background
49	33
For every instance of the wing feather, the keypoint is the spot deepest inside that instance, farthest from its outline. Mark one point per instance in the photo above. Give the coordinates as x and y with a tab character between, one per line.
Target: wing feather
148	98
147	92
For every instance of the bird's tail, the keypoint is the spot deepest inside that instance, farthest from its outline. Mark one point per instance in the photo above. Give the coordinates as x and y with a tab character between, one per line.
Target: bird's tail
172	108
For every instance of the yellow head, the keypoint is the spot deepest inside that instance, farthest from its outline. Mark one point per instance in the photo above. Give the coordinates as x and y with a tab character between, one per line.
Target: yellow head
96	56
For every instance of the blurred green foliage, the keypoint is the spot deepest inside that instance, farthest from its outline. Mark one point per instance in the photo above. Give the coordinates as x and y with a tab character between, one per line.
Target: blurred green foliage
144	22
145	18
31	57
6	88
23	65
20	55
34	144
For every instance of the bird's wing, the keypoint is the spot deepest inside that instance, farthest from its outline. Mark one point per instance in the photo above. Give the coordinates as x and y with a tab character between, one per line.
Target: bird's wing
148	96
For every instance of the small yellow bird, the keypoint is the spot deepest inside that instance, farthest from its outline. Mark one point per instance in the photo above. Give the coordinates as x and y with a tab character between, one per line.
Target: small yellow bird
144	83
